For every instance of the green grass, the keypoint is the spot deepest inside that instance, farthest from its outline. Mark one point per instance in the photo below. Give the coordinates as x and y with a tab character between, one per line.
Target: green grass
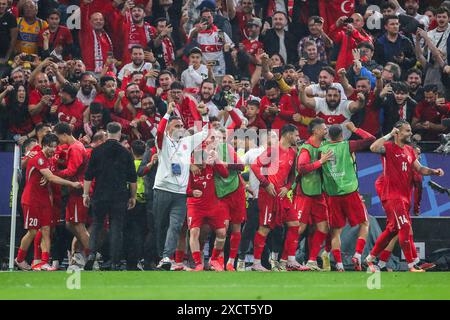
210	285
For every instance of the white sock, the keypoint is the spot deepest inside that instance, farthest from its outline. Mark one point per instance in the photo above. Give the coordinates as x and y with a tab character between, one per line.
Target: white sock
381	264
291	259
274	255
412	264
357	256
370	258
312	262
416	260
231	260
339	265
257	261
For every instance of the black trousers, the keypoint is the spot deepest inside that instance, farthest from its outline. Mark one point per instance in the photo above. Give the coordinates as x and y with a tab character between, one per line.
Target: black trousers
249	229
135	228
116	211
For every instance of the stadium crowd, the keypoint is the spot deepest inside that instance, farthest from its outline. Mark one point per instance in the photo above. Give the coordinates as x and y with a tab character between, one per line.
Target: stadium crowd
235	116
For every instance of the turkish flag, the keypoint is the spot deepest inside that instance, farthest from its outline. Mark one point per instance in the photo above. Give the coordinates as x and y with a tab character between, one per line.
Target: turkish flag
331	10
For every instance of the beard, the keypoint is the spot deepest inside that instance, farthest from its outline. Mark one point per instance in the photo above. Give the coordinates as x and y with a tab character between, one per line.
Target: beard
323	85
86	90
289	81
205	97
332	105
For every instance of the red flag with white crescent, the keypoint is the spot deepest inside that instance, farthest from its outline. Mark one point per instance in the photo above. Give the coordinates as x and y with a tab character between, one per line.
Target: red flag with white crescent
331	10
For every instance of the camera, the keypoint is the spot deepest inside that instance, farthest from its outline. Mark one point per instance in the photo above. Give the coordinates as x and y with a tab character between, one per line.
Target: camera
348	20
445	144
204	20
28	58
219	100
277	70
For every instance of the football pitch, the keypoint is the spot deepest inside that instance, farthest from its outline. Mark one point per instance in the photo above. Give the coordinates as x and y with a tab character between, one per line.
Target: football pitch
223	286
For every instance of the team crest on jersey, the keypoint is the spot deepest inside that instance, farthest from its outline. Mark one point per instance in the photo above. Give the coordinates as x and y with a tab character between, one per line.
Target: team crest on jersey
409	158
40	161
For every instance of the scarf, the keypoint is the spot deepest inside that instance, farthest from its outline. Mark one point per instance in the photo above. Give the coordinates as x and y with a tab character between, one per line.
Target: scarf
98	52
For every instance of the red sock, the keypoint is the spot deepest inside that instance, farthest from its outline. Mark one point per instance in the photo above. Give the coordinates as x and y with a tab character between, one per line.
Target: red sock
258	245
316	244
45	257
413	247
382	242
21	255
216	253
328	243
197	257
235	239
179	256
37	245
403	239
385	255
360	243
337	255
290	243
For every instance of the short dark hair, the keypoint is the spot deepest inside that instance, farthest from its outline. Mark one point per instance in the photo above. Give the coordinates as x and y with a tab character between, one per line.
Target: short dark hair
366	44
138	147
333	88
400	123
165	71
271	84
70	89
208	81
54	11
362	79
29	141
314	123
49	138
95	108
288	67
387	5
99	135
88	73
253	103
41	126
442	10
155	23
63	128
173	118
430	88
414	70
281	12
113	127
195	50
388	18
335	131
330	70
136	46
399	86
288	128
176	85
105	79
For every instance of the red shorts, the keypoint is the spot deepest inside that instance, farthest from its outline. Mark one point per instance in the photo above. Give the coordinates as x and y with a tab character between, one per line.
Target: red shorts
36	217
76	212
196	217
274	211
397	213
348	207
233	206
311	210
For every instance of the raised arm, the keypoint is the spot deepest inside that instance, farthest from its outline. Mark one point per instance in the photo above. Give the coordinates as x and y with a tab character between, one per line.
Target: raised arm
304	99
357	105
425	171
378	145
364	143
348	89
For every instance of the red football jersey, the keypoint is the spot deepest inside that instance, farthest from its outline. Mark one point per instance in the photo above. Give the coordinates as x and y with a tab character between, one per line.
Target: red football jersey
278	164
398	172
77	160
34	194
205	183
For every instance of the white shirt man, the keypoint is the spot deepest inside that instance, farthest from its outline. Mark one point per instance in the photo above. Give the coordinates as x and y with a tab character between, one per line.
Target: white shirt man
341	115
317	91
